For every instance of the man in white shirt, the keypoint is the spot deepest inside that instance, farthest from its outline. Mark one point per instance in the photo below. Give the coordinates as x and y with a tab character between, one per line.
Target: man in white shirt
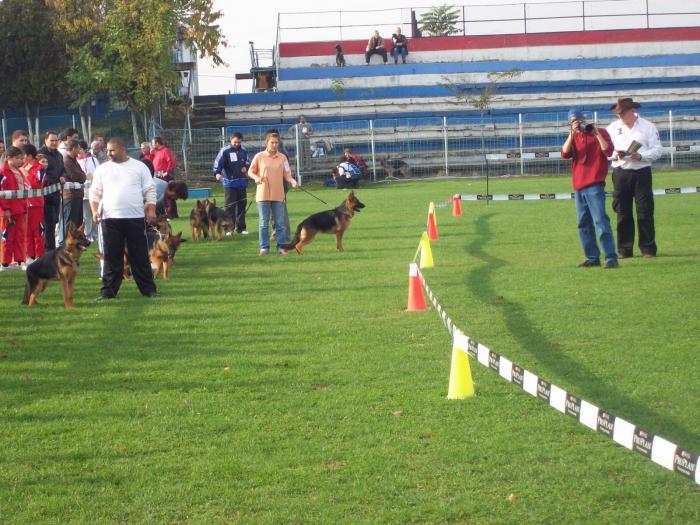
119	190
636	145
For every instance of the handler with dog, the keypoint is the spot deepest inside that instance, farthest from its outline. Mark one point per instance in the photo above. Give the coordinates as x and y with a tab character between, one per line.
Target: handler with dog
230	167
269	169
119	190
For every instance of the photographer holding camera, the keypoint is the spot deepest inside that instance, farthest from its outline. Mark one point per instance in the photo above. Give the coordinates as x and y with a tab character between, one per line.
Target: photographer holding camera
589	149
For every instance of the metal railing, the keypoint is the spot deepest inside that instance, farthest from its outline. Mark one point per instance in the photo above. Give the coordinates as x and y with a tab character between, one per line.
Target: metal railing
506	18
411	148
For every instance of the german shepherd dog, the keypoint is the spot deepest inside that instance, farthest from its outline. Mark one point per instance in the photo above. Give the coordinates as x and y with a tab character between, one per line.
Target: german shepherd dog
59	264
330	221
162	252
199	223
219	221
339	57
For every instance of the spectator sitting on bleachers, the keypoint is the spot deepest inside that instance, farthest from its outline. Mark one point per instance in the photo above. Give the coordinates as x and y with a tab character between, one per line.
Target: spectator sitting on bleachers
399	47
375	46
349	156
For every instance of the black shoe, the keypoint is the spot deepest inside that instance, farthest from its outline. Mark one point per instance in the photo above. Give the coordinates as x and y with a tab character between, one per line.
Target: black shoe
588	263
612	263
648	255
624	255
153	295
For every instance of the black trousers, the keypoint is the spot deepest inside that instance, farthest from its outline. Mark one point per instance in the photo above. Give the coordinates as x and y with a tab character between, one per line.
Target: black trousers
52	208
115	234
633	187
381	52
236	203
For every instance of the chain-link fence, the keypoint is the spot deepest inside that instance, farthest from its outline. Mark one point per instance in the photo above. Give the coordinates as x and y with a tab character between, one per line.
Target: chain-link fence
524	144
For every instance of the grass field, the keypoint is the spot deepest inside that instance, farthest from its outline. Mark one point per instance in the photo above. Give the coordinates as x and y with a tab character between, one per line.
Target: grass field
297	390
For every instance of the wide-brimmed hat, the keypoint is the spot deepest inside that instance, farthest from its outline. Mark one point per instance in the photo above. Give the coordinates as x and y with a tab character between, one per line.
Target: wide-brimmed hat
623	104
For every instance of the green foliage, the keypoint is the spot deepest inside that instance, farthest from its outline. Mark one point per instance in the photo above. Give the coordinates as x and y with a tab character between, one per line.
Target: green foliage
297	390
440	21
32	63
479	97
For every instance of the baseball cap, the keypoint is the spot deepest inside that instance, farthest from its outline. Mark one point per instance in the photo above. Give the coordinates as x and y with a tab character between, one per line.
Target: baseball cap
575	114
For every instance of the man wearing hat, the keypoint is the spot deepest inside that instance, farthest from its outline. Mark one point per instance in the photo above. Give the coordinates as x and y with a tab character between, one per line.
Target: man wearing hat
590	147
636	144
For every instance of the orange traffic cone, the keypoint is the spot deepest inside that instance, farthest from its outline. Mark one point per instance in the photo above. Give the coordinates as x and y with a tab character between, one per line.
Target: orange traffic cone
416	301
457	206
432	225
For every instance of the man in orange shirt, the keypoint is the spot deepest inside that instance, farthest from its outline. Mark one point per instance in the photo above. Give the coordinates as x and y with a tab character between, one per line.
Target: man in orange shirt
269	169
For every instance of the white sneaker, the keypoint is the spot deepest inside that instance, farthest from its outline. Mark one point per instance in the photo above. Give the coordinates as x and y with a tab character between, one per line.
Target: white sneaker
9	268
23	266
228	234
30	260
244	232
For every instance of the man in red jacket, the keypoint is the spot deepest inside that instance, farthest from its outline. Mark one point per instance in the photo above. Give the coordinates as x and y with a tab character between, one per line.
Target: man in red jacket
164	166
14	211
590	147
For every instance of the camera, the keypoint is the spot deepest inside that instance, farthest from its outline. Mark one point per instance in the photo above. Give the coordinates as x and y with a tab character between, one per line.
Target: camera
585	128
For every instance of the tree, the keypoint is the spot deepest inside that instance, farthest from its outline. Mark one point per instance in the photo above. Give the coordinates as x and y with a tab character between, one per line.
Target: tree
32	66
440	21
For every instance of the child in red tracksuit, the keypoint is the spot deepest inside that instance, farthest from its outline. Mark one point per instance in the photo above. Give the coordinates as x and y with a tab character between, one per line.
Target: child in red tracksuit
14	211
33	170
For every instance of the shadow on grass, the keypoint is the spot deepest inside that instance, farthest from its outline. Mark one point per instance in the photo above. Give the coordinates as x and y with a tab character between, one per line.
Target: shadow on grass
550	359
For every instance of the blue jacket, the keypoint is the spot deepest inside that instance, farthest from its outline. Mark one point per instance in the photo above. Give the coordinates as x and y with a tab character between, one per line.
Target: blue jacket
229	163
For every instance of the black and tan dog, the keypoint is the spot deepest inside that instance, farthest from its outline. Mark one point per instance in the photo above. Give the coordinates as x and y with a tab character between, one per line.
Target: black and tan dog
331	221
219	220
162	252
199	222
59	264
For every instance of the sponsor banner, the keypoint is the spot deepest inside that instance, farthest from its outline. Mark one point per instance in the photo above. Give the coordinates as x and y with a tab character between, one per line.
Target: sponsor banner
655	448
556	196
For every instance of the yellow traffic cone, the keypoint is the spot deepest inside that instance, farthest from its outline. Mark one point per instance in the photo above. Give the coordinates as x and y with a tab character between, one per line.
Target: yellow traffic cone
426	254
461	385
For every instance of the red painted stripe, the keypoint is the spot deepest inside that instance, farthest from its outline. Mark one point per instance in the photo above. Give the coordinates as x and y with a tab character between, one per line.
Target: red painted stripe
447	43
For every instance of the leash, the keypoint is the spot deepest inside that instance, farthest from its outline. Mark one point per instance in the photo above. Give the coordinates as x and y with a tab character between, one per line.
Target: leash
314	196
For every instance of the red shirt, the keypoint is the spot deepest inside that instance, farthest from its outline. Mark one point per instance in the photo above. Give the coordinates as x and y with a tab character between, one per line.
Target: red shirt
163	160
34	175
9	183
590	164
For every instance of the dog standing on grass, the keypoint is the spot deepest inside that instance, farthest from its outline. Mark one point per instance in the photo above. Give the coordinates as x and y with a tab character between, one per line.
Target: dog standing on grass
59	264
330	221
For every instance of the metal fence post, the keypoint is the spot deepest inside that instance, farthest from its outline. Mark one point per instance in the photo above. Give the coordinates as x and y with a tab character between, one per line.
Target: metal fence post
371	141
520	142
444	133
223	137
4	127
297	140
670	137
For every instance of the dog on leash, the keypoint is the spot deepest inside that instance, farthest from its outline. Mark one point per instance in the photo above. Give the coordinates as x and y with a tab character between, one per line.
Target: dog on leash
59	264
339	57
219	221
162	252
330	221
199	222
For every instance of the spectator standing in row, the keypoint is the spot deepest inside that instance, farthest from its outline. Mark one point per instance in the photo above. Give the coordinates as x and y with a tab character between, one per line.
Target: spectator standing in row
33	171
231	168
399	47
636	144
2	151
375	46
164	166
20	138
88	163
590	147
55	174
14	211
269	169
72	198
120	188
100	152
66	138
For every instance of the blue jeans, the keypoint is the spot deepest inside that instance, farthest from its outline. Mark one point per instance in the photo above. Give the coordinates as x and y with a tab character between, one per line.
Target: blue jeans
396	51
590	209
276	209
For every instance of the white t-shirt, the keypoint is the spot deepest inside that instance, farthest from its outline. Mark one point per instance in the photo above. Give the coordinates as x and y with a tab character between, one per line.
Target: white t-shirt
122	188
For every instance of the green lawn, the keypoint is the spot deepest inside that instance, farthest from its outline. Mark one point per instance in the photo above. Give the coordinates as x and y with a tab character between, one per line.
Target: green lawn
297	390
